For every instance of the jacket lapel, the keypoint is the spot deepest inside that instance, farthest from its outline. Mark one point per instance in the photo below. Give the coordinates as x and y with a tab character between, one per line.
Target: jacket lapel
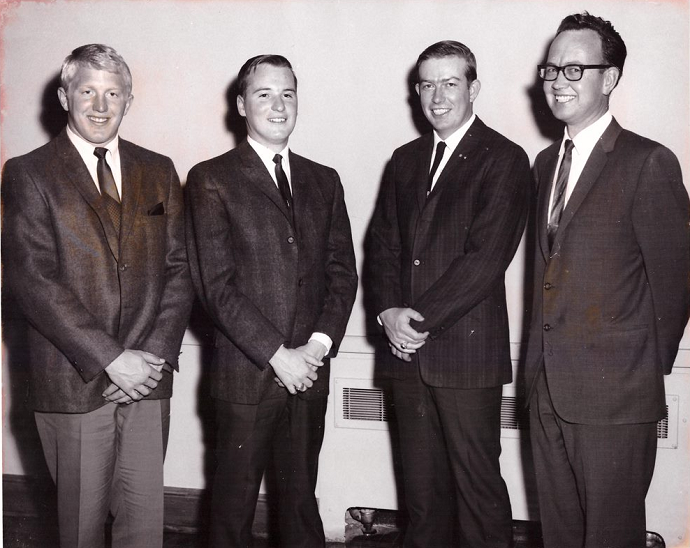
423	164
255	170
545	184
78	175
132	180
306	198
461	154
590	174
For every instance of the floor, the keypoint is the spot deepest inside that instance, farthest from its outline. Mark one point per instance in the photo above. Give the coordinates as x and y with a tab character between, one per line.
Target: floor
24	532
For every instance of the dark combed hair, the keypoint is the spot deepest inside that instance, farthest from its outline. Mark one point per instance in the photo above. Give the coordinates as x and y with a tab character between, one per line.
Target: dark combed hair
448	48
251	64
612	45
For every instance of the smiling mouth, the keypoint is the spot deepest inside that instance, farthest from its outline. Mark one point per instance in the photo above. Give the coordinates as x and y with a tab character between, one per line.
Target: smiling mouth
564	98
440	111
277	120
98	120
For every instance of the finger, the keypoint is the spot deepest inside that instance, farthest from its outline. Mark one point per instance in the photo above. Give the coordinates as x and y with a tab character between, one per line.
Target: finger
152	358
398	354
143	390
155	375
125	399
414	315
115	396
311	360
279	382
410	333
312	375
112	389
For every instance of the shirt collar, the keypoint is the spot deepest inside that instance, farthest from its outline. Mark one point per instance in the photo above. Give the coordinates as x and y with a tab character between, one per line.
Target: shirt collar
454	139
265	153
584	142
86	149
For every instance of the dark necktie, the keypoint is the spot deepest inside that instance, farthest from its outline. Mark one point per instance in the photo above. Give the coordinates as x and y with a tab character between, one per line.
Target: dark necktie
559	192
440	149
283	185
106	182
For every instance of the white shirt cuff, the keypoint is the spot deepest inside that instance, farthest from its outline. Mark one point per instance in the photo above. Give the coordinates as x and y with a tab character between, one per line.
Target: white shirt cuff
323	339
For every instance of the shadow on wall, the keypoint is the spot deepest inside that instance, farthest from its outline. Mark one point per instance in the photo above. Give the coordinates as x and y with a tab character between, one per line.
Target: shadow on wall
53	116
19	418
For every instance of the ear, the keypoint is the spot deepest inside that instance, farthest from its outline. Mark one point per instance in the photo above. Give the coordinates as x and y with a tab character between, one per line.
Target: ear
611	77
416	88
128	104
62	97
474	90
240	106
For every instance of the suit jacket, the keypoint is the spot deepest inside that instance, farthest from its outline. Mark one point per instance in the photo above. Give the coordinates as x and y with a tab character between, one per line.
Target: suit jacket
445	256
87	294
263	281
612	298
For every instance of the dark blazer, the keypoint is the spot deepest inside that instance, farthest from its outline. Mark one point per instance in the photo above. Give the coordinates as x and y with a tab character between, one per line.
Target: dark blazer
86	295
612	298
263	281
445	256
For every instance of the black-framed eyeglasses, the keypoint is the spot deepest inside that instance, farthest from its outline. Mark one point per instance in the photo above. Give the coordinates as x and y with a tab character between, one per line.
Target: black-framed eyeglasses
571	72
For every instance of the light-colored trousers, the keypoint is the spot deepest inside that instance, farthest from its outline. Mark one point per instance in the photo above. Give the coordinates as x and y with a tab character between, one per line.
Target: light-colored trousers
108	460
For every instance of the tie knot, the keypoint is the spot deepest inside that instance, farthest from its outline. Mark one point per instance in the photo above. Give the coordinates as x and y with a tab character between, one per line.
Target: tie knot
100	152
277	159
568	146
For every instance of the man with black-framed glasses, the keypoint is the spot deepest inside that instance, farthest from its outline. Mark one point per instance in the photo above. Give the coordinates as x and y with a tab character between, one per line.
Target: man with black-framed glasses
611	299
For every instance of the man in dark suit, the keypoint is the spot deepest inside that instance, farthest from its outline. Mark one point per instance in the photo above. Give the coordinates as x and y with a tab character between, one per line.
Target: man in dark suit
611	299
94	255
450	217
272	261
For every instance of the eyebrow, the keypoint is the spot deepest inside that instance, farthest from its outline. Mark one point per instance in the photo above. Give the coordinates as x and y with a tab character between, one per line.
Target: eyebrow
272	89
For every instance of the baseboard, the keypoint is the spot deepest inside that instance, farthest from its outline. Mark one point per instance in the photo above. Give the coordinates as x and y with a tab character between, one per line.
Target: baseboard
186	510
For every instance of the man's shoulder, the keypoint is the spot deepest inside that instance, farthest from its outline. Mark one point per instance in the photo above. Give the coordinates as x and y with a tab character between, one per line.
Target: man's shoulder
298	161
141	154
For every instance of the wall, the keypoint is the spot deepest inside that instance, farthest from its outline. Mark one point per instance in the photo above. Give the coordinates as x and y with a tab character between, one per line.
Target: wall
352	59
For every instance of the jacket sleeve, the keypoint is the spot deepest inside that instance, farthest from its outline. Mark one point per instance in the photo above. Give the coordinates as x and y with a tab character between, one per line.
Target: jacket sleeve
340	271
31	270
176	301
213	267
661	220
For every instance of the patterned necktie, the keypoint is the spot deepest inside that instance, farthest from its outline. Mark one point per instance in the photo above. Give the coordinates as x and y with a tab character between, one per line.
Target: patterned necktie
283	184
440	149
559	193
106	182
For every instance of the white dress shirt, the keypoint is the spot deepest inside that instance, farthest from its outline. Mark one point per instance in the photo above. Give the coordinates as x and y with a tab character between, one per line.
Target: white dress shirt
583	144
86	150
452	143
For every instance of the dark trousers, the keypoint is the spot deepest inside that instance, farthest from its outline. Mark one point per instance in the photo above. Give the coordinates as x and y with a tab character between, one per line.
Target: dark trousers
285	432
592	480
450	447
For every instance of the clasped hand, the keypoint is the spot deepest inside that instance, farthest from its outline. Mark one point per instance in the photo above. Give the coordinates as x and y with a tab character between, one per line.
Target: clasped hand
295	368
133	374
403	339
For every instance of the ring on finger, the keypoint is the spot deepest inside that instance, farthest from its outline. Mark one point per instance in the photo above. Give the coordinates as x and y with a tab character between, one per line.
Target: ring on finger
403	345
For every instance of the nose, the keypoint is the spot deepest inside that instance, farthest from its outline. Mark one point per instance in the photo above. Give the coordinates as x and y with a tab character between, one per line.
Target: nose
99	103
278	104
437	97
561	81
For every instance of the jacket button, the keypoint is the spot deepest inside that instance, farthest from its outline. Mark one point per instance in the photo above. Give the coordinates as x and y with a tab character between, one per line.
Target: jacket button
123	267
547	327
547	286
300	282
416	262
291	240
